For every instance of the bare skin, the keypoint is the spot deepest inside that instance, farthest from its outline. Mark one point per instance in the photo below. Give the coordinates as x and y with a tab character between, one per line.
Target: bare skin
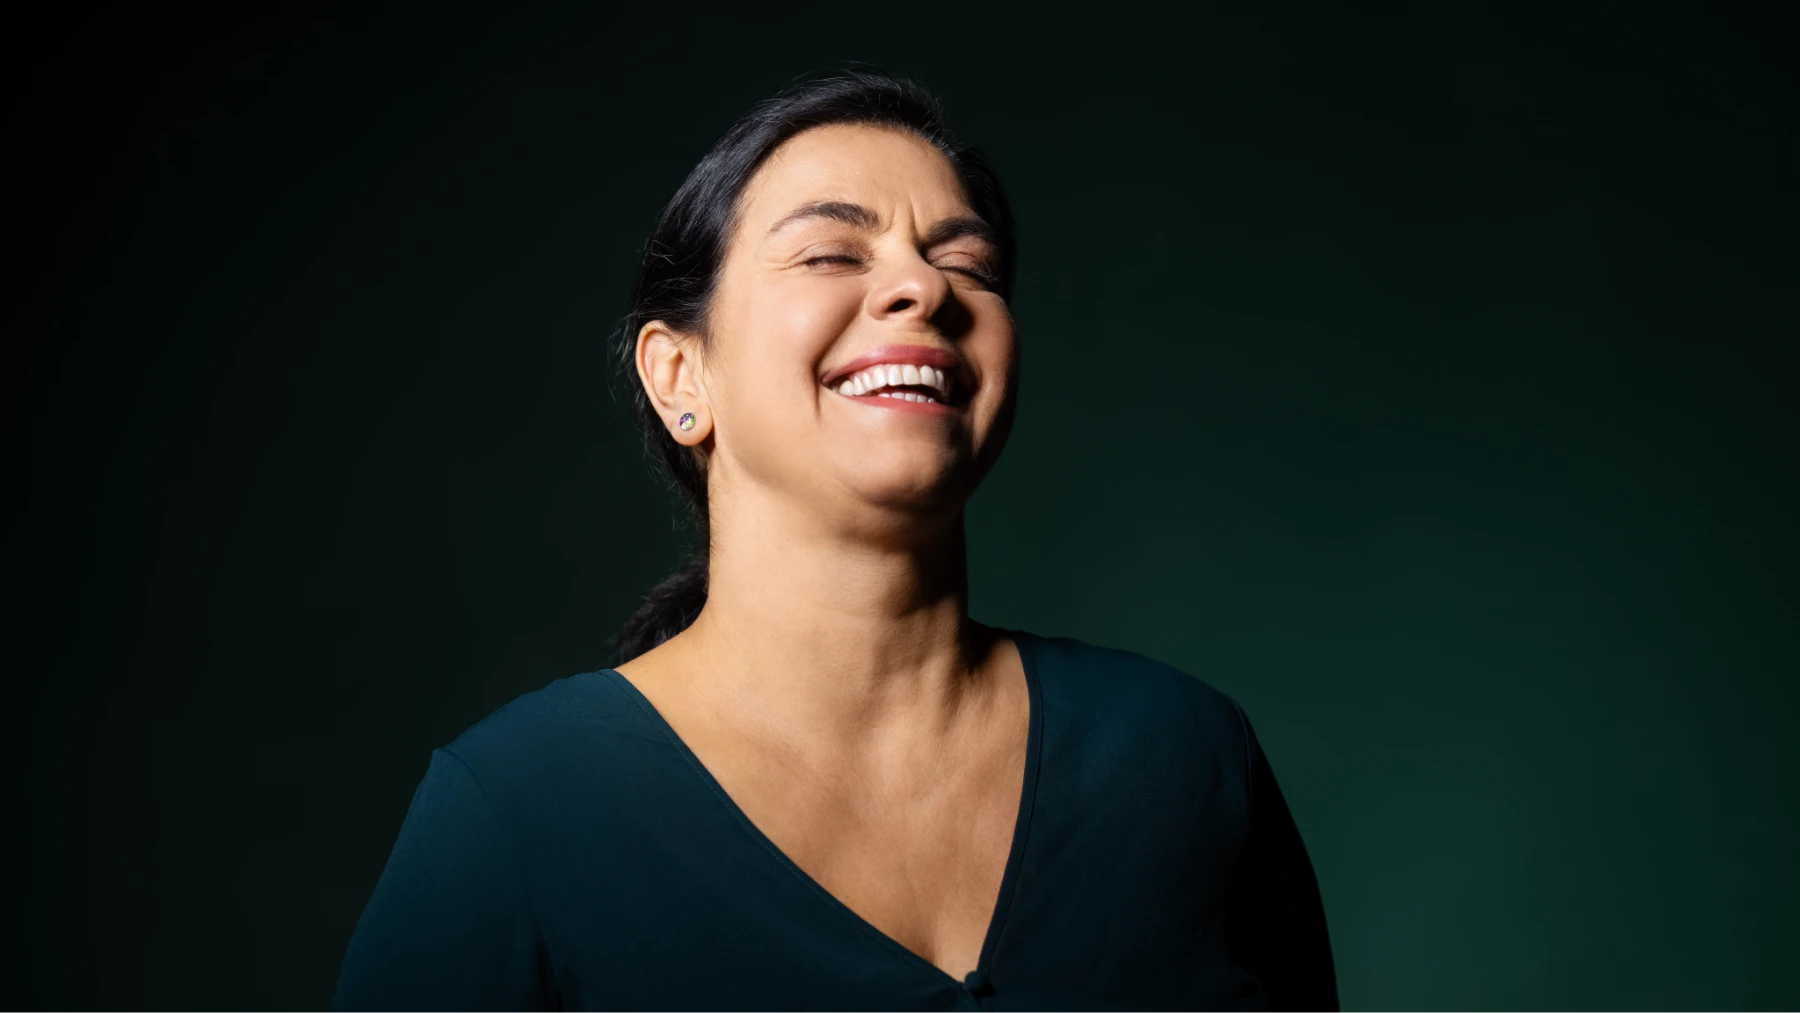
834	684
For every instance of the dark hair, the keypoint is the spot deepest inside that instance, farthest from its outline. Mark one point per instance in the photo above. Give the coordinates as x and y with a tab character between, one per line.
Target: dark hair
681	263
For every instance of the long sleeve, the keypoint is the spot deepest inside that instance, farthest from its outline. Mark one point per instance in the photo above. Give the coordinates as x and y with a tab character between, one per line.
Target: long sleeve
449	925
1277	918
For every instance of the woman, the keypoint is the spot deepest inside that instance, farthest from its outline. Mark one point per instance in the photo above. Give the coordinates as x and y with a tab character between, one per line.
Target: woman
813	780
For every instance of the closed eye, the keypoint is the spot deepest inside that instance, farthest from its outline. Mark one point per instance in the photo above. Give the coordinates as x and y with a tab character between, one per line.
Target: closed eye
976	273
837	258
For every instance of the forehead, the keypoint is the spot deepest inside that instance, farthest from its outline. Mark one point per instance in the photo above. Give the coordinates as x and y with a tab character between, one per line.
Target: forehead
880	167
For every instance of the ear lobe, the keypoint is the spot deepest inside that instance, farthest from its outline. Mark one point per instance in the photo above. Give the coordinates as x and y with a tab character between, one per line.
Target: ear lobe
669	372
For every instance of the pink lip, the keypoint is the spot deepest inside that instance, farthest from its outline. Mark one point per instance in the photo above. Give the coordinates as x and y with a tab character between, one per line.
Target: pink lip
914	355
902	405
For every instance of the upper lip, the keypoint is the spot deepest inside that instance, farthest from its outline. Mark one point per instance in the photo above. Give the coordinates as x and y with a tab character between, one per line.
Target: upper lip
899	355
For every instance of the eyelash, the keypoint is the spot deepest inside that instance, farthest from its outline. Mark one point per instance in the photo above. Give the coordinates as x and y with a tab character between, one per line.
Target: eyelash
981	276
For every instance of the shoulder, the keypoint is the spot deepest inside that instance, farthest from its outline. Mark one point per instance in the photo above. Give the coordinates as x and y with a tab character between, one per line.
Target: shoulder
1125	677
1114	685
564	732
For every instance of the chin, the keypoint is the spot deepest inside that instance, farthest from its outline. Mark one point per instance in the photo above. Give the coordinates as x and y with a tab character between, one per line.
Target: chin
944	494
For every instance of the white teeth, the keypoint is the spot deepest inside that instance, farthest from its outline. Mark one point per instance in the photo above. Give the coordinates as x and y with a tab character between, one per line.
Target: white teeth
893	375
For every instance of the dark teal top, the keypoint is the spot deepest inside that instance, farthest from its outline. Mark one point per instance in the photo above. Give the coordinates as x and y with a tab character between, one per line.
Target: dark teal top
569	851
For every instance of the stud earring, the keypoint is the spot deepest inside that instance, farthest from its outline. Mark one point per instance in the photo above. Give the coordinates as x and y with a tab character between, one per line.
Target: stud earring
687	421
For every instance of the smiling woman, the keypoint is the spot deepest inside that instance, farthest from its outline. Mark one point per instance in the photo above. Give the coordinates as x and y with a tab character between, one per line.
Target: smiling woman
812	780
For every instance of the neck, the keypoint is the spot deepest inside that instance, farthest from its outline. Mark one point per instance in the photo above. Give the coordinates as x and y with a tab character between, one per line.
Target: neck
859	639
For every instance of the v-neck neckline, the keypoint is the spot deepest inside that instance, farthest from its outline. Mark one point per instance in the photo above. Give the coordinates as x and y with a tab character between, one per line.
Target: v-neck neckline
1015	856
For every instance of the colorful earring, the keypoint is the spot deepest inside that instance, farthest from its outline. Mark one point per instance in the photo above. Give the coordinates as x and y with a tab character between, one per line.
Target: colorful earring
687	421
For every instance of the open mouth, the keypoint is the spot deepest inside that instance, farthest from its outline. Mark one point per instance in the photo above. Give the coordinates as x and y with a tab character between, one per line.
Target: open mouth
916	384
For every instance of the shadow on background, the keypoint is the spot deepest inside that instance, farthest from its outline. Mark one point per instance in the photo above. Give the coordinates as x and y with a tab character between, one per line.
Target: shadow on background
1423	379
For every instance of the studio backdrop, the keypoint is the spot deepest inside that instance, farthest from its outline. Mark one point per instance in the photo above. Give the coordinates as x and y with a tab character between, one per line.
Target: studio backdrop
1421	377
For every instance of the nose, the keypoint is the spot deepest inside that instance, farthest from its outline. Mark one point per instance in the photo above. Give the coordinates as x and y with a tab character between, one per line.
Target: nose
911	289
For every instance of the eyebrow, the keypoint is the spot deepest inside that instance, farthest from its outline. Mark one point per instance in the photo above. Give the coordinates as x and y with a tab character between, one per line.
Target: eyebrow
833	210
863	218
962	225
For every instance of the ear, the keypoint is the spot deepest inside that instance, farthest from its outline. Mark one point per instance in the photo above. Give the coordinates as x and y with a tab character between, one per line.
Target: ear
670	371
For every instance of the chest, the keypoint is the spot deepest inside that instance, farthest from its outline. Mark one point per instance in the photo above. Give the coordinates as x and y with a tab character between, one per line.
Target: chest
916	847
919	854
922	866
757	883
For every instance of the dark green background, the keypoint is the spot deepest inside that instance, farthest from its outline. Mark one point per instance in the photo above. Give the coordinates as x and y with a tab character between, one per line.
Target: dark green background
1422	377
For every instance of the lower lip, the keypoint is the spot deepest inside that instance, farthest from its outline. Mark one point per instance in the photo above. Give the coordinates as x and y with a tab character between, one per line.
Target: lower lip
901	404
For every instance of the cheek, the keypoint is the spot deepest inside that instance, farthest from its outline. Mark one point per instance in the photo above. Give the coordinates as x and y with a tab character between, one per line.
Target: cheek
992	341
780	331
804	316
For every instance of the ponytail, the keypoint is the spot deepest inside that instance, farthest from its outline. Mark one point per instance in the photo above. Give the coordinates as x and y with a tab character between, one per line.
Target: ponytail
669	608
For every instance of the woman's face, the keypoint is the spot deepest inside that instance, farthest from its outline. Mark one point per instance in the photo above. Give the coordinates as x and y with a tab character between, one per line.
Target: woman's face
856	241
